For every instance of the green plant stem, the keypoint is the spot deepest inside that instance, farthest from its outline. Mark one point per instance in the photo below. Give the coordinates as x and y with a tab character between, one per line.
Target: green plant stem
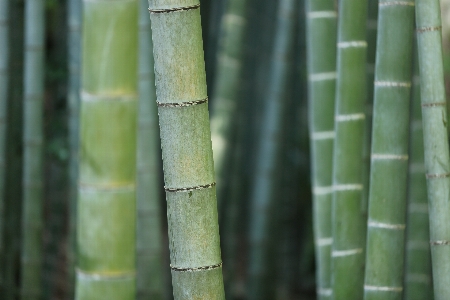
149	240
321	52
389	155
348	221
418	281
32	208
434	117
186	150
106	219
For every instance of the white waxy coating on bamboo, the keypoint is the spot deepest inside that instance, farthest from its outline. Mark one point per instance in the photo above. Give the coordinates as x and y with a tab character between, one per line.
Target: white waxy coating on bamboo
323	135
347	187
323	76
343	253
350	117
324	242
379	156
322	14
352	44
406	84
375	288
374	224
325	292
396	3
98	276
323	190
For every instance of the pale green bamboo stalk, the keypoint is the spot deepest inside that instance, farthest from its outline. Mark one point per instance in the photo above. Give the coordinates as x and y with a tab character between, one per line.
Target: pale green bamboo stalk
389	155
73	98
32	207
186	150
4	83
348	221
437	165
263	191
418	281
106	195
321	53
149	241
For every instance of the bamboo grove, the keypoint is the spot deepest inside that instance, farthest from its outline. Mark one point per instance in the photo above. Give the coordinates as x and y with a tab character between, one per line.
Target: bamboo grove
224	149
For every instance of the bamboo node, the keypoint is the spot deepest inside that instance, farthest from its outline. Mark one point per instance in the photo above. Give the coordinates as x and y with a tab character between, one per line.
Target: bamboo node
432	176
435	104
188	189
374	224
205	268
440	243
182	104
174	9
396	3
324	292
430	28
352	44
377	156
324	242
374	288
342	253
323	135
347	187
406	84
322	14
323	76
322	190
350	117
96	276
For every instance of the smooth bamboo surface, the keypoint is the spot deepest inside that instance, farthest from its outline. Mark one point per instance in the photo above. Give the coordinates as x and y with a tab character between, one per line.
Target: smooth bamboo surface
106	220
434	118
186	150
389	154
321	42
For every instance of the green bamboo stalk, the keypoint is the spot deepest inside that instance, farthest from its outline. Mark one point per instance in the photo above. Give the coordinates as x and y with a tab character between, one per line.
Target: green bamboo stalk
417	280
225	102
348	221
263	193
389	155
4	82
32	208
321	53
186	150
73	98
149	240
106	204
437	165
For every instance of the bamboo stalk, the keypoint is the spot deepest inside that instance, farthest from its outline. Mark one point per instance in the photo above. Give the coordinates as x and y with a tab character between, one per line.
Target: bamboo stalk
149	240
321	52
389	155
186	150
32	208
348	221
106	204
434	118
418	281
263	193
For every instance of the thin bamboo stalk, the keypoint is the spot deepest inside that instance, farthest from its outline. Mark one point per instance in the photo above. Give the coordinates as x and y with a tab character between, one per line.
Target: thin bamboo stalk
263	193
321	52
186	150
348	221
418	281
108	118
73	96
32	208
389	155
149	240
434	118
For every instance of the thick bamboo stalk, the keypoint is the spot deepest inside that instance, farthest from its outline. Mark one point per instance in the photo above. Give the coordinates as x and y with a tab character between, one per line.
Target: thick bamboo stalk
73	98
263	193
389	155
437	164
106	204
418	281
149	241
348	221
321	53
186	150
32	207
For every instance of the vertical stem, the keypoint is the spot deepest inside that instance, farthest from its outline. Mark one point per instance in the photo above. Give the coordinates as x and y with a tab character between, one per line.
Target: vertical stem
437	164
106	189
389	155
348	221
186	150
418	281
321	43
149	240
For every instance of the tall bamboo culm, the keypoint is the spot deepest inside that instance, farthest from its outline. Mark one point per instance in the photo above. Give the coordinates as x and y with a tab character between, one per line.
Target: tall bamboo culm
417	279
186	150
32	207
149	241
389	154
348	220
321	53
4	82
73	98
106	219
434	118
